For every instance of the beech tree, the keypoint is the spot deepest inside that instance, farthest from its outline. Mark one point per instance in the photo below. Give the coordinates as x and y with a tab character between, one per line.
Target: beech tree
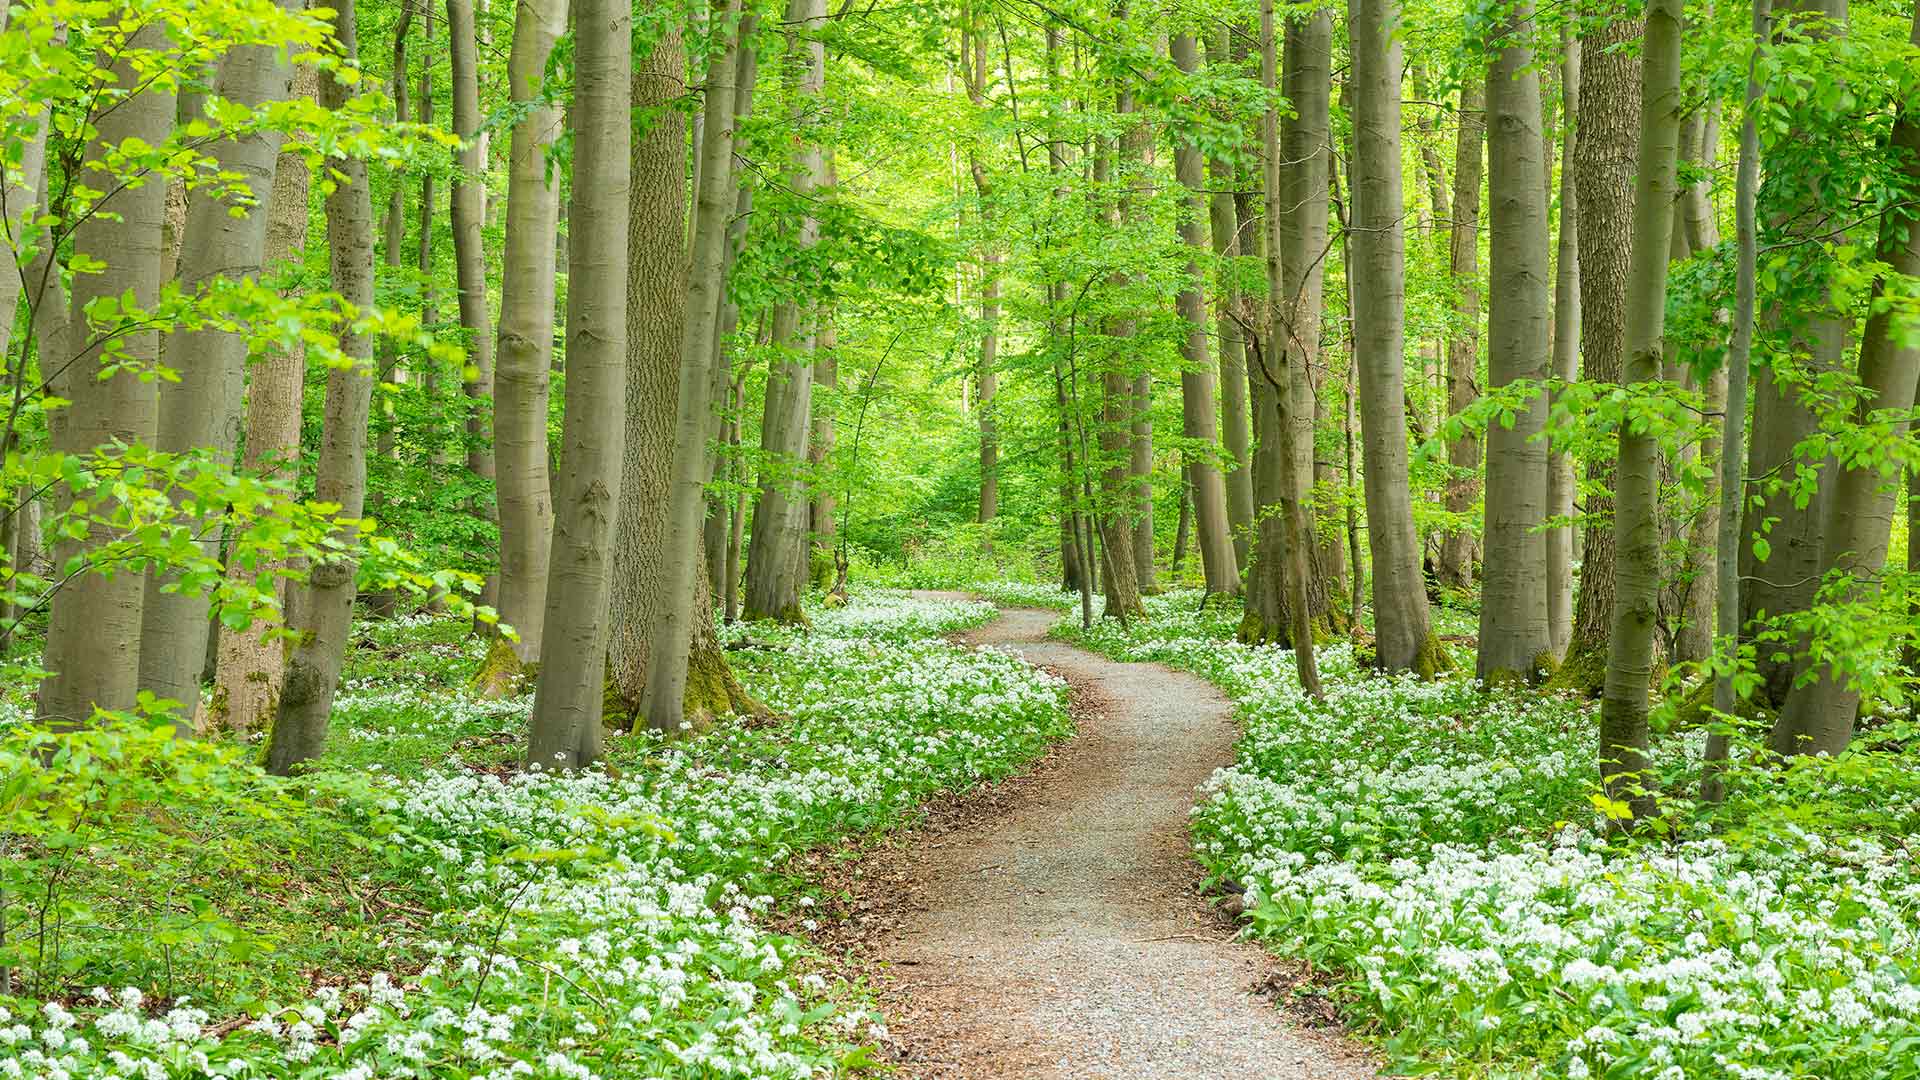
1514	638
564	732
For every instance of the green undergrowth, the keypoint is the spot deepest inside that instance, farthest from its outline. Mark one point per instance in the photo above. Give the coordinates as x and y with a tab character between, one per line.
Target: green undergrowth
1438	854
417	907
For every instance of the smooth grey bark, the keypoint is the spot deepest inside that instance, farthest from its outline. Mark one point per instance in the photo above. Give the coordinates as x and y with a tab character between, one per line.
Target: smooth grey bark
821	527
717	537
1459	548
1198	425
1622	752
203	409
1693	611
322	604
564	732
527	298
1514	638
1819	714
1118	568
93	629
19	200
776	551
1799	209
1733	459
1224	222
1604	154
249	667
987	387
1566	355
1295	225
1402	626
663	702
468	210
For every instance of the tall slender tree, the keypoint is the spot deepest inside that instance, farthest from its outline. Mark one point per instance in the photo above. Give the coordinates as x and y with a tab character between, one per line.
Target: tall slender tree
1821	707
525	360
1198	423
1623	703
565	729
664	698
776	552
1403	630
1566	354
251	666
93	629
1460	548
1605	151
1513	608
224	239
322	605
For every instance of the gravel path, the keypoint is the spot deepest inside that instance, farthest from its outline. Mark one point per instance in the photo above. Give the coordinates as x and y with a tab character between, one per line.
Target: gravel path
1065	939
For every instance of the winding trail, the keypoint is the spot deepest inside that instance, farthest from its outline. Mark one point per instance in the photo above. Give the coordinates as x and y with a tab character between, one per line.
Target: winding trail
1065	939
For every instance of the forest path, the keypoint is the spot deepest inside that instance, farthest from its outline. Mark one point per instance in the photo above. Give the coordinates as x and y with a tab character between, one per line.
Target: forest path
1064	938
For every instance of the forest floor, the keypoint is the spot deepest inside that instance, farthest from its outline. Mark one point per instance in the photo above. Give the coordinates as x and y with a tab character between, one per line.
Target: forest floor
1065	936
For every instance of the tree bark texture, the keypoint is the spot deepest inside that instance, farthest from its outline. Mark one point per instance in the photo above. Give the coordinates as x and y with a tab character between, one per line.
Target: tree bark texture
1566	356
93	629
322	605
1460	548
564	732
1624	698
1197	416
250	668
1513	610
1605	150
525	359
776	552
1402	627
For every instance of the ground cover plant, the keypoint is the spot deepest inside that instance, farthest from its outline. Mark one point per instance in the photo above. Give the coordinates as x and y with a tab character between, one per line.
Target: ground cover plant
1438	852
603	923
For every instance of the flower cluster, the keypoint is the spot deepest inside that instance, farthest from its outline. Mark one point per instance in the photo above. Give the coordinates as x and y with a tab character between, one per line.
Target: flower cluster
1434	847
611	923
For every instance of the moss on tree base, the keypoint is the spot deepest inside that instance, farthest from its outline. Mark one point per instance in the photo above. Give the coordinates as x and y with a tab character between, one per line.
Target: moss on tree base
1255	630
1584	671
501	673
1433	660
713	691
791	615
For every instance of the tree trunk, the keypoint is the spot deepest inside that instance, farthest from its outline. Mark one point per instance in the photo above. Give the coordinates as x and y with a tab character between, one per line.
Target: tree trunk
1819	713
723	384
1605	150
678	622
820	523
202	410
1296	221
1403	632
527	297
657	316
1460	547
1800	208
564	732
1623	702
93	629
1238	460
469	211
777	548
1209	491
1566	354
1693	637
1513	609
250	667
322	605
